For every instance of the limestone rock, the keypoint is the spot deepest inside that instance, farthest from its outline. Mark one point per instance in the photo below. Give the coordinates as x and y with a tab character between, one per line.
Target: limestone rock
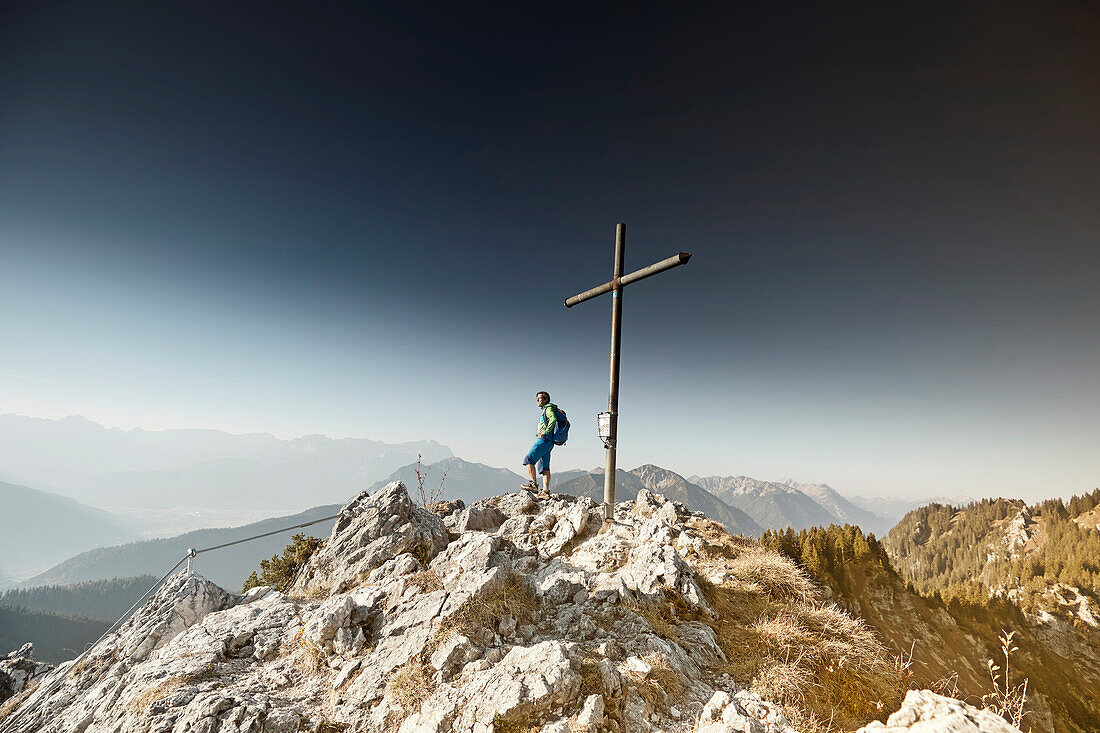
480	516
527	680
743	712
923	711
591	717
18	669
371	530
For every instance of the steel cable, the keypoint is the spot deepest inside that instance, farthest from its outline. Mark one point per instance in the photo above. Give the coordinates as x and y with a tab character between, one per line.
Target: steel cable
9	725
265	534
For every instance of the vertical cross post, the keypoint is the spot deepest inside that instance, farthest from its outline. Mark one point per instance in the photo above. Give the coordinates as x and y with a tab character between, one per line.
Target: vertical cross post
615	287
613	379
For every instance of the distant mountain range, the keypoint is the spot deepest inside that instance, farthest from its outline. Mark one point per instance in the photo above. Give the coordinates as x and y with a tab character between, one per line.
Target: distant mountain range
460	479
40	529
771	505
180	473
786	502
892	510
227	567
113	468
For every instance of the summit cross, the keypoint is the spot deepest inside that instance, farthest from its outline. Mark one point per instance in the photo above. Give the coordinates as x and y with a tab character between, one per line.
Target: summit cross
615	287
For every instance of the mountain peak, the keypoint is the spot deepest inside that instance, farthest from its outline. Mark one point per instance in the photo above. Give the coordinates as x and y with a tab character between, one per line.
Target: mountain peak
515	611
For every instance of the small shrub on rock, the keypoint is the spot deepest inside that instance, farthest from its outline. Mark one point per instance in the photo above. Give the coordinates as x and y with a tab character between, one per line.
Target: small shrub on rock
279	572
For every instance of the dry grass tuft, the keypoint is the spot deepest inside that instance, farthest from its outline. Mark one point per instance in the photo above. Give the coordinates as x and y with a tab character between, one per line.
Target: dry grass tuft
523	725
422	553
716	539
409	686
310	657
828	670
773	574
588	668
828	663
96	665
170	685
661	687
512	598
426	580
661	617
16	700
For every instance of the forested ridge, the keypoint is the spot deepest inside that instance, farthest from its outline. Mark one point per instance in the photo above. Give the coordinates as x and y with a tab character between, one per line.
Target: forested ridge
57	637
826	549
102	599
948	640
997	546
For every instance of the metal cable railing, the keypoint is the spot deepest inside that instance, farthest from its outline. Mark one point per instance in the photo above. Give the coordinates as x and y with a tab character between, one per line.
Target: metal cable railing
10	724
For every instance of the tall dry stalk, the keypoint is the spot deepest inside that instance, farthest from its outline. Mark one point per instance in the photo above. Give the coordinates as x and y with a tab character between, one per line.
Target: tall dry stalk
427	497
1006	701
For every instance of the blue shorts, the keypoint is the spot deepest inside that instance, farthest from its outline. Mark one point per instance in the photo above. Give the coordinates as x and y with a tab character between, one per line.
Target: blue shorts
540	455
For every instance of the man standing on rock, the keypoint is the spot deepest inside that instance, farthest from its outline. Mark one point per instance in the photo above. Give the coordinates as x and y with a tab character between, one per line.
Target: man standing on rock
539	455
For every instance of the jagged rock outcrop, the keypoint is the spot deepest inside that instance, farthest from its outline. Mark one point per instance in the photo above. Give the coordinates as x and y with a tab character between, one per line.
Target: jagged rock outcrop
18	669
523	614
924	711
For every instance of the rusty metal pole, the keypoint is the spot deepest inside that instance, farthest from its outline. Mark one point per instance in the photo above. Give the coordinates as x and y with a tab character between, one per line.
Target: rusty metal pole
613	380
615	287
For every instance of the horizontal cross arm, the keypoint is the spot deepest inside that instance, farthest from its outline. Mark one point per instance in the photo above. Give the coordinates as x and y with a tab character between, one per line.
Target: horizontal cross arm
642	274
589	294
656	267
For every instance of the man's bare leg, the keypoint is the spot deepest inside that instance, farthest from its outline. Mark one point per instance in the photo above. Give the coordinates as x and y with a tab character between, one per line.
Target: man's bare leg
546	482
531	473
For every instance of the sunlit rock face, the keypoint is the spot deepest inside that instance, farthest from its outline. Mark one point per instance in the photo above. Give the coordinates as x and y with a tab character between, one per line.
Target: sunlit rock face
513	613
18	669
923	711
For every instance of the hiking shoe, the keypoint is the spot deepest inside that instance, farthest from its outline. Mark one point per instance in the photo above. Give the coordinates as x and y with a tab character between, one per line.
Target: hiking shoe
530	486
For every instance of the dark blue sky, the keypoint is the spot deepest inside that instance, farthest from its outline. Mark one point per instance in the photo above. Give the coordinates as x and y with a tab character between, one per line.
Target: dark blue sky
362	220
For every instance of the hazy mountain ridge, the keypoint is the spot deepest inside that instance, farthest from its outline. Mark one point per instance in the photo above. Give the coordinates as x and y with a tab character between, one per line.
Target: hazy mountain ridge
42	528
144	468
230	566
770	504
786	502
845	511
892	510
460	479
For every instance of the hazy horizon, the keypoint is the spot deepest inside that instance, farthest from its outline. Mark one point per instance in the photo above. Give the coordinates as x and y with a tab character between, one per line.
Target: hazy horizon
969	494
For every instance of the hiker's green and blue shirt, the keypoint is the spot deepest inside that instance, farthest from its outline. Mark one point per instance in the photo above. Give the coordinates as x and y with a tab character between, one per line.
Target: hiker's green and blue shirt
548	423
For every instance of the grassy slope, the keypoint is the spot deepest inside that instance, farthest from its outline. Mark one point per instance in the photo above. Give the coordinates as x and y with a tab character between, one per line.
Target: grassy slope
954	639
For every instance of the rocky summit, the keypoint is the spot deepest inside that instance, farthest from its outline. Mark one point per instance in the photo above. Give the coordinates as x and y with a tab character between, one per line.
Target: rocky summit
516	613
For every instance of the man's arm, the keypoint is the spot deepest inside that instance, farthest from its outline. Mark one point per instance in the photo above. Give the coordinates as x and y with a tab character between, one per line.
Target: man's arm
549	421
